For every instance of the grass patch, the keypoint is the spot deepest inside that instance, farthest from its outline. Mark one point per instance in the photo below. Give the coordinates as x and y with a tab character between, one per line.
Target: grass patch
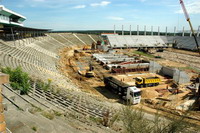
57	113
34	128
35	110
48	115
95	119
143	54
44	86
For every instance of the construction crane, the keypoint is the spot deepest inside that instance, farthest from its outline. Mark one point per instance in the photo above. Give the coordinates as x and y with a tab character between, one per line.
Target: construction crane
188	19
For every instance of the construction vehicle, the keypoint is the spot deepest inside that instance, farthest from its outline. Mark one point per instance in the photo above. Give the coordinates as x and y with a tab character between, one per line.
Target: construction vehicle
197	84
130	93
191	27
86	48
89	73
147	82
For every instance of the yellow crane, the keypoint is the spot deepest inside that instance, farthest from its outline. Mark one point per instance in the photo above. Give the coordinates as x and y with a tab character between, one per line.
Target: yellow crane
188	19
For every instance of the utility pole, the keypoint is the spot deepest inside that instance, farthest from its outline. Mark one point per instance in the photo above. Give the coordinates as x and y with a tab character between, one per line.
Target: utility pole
188	19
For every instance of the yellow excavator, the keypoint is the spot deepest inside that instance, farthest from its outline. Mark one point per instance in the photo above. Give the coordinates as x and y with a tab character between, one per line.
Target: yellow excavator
89	73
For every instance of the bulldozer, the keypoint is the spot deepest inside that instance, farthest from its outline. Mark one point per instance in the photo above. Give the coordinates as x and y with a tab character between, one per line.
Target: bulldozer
89	73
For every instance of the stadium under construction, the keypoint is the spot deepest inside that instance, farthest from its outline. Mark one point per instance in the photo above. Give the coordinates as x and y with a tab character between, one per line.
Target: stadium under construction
79	81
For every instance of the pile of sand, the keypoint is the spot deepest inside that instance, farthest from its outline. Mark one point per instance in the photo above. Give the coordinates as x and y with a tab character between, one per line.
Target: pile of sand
149	94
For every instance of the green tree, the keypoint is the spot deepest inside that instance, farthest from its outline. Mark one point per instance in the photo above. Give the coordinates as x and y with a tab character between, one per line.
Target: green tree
135	122
19	80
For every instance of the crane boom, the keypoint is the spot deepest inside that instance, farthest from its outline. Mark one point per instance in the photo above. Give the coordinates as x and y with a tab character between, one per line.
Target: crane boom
188	19
184	10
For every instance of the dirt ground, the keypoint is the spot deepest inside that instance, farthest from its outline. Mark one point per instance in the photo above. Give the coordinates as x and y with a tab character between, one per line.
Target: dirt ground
69	68
75	66
183	52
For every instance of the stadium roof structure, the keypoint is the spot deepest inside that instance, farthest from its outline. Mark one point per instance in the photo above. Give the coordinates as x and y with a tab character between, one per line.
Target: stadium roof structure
22	29
14	33
10	18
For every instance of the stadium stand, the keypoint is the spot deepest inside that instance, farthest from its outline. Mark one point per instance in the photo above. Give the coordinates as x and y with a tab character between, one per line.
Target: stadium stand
119	41
186	42
60	38
38	56
85	38
96	37
79	39
135	41
72	38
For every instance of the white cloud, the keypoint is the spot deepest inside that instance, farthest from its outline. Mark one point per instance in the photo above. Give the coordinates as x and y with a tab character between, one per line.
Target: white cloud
192	7
79	6
103	3
116	18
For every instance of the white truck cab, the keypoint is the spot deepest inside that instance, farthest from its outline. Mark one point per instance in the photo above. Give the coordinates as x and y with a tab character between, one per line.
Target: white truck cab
133	95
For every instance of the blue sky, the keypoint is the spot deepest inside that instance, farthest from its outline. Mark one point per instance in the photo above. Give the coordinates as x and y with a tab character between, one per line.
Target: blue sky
103	14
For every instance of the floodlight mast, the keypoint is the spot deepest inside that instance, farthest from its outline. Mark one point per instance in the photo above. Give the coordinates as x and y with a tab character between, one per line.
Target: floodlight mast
188	19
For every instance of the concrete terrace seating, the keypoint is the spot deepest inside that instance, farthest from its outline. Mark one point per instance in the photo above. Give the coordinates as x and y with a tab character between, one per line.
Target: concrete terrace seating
59	38
36	63
30	56
48	45
135	41
85	38
72	38
113	41
96	37
39	56
122	41
186	42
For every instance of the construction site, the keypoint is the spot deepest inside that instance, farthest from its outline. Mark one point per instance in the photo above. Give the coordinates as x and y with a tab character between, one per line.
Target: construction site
74	82
173	85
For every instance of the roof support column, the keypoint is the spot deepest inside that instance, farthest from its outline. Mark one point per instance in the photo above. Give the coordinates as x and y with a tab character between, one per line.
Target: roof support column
18	35
114	29
13	37
145	32
33	35
175	31
183	33
29	38
166	31
22	37
158	31
27	41
122	29
152	30
130	30
138	32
